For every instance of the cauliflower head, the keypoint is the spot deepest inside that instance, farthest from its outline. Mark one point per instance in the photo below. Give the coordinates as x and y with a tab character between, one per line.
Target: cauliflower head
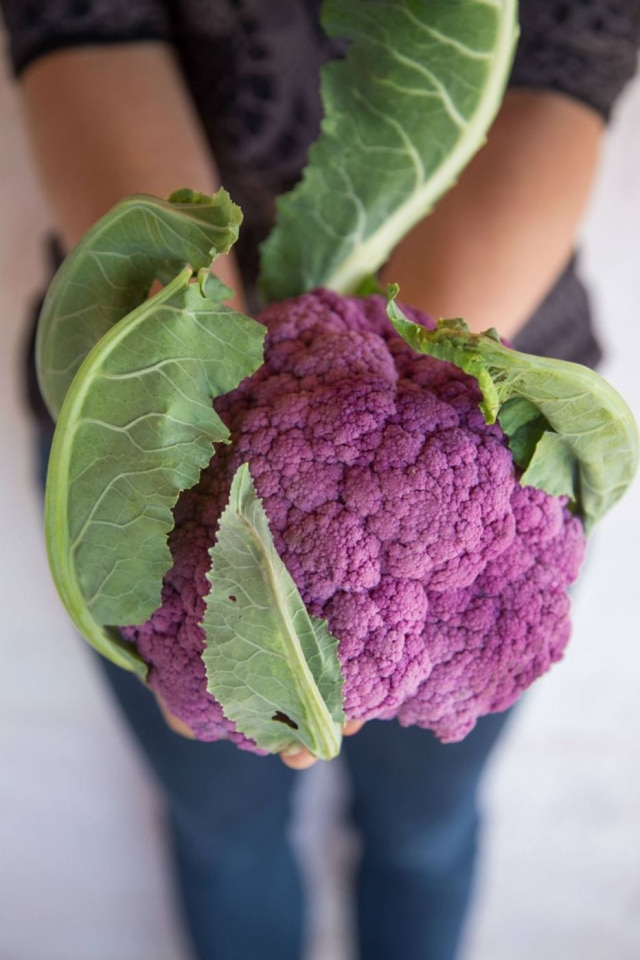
399	514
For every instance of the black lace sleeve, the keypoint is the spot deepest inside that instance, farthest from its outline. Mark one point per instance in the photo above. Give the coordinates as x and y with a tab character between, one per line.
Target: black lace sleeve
36	27
587	49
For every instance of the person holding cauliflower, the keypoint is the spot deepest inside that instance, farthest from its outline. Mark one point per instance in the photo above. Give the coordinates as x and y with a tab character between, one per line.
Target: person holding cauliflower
126	98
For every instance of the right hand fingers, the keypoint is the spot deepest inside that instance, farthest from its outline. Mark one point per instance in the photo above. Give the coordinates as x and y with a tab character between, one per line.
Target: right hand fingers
178	726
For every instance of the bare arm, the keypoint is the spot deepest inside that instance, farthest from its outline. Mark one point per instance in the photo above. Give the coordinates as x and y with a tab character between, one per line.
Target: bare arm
496	243
106	122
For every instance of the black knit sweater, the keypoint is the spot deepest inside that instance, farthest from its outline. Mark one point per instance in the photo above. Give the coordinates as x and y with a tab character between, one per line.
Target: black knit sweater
252	69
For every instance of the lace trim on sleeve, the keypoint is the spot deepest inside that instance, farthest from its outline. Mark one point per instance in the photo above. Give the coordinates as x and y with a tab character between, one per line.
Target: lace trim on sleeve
587	49
37	27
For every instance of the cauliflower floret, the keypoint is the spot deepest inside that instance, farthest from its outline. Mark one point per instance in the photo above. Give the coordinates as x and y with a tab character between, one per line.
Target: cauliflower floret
398	512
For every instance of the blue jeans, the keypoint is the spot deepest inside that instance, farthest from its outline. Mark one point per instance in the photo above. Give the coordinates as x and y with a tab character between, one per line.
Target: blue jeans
414	803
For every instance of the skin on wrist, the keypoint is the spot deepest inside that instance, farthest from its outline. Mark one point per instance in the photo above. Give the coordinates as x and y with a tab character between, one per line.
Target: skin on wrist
497	241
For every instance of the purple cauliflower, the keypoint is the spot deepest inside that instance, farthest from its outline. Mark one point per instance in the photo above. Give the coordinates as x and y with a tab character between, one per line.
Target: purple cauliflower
399	514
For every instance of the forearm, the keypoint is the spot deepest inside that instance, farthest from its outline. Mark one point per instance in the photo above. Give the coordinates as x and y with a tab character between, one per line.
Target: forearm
109	122
496	243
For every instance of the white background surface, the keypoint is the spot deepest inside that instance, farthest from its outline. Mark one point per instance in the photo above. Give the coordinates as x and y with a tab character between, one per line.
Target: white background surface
82	871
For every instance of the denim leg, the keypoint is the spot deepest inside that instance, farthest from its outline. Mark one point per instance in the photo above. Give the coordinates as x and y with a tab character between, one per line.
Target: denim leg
228	813
415	804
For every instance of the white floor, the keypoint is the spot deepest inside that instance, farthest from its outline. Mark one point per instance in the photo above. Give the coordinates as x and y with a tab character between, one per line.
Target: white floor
82	870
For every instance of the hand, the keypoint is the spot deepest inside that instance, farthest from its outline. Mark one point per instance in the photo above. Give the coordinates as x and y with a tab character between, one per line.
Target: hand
301	759
178	726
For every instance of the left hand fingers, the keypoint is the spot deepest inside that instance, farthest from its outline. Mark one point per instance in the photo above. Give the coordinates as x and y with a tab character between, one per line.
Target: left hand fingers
300	759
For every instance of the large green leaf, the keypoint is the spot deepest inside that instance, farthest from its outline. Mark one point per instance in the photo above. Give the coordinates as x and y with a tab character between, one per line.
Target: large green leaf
136	427
272	666
404	113
569	430
109	273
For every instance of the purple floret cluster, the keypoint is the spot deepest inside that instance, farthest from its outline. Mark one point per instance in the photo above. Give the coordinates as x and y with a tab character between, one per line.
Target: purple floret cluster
399	514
